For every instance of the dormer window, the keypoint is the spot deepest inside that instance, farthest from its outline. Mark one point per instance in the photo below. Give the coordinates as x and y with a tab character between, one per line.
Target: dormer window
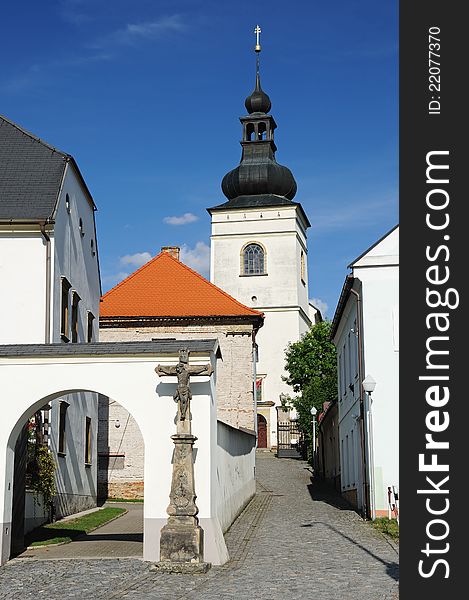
253	257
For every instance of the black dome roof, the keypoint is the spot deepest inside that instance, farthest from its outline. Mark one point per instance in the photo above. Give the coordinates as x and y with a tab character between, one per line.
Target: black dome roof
258	101
263	177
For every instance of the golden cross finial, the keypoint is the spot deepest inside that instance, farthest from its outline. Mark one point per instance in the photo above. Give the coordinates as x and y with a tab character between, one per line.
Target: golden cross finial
257	31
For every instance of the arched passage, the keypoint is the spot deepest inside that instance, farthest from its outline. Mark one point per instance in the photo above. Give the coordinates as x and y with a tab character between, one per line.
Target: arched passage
33	375
69	429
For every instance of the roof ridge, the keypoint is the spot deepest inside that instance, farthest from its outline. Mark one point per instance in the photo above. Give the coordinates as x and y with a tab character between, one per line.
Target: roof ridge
212	284
34	137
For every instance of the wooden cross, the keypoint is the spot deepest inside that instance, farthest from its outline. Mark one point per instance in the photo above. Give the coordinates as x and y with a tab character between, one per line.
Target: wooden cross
183	372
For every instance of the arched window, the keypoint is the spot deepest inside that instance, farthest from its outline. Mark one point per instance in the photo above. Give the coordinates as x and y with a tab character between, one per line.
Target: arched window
249	131
254	260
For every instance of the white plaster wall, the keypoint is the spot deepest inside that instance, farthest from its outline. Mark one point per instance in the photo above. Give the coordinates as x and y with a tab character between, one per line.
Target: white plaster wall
377	282
380	301
76	481
282	239
23	289
133	383
73	257
236	455
349	403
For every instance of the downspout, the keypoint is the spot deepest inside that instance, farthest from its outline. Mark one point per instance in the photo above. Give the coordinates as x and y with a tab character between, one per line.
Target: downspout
365	490
46	237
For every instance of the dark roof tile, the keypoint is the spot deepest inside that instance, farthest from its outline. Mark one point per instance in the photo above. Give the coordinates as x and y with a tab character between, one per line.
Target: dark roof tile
31	173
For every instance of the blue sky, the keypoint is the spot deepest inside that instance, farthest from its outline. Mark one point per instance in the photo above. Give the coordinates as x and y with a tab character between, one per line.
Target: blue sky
146	95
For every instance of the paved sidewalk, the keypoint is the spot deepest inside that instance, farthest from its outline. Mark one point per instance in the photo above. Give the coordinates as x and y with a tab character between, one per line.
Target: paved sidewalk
295	540
122	537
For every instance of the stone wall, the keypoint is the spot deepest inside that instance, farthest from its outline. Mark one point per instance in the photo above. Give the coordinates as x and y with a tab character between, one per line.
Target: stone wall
120	452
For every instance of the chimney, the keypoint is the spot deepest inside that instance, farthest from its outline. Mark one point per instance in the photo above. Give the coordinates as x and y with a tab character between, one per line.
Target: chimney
172	250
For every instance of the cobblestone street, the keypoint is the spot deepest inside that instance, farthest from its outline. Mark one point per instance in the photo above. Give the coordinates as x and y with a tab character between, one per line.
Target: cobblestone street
295	540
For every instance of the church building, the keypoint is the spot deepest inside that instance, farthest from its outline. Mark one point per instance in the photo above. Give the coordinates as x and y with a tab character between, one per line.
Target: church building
259	252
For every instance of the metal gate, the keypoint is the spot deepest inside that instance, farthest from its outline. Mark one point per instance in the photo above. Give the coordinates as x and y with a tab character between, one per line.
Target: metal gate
289	439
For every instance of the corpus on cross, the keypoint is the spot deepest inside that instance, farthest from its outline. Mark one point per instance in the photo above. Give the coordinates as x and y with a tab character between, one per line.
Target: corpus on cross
183	372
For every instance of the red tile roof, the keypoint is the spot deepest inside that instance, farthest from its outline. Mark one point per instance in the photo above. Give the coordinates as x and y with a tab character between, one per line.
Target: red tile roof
165	287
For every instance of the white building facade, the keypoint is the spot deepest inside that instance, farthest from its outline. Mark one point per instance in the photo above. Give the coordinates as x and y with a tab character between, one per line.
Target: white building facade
259	253
50	281
365	333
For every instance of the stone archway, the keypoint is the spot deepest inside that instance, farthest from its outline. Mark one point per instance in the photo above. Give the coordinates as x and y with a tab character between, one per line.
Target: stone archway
32	375
261	431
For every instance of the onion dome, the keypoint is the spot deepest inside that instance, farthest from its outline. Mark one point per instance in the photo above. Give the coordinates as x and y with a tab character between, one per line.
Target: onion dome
258	101
262	176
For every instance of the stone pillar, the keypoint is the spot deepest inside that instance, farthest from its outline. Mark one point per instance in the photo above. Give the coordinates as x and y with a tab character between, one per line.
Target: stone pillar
182	538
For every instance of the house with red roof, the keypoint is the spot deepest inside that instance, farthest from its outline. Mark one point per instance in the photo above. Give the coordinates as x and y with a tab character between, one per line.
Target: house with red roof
167	299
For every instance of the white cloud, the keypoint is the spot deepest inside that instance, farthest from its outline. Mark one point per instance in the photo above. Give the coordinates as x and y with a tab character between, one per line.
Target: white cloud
332	218
321	305
197	258
109	281
136	260
186	218
135	32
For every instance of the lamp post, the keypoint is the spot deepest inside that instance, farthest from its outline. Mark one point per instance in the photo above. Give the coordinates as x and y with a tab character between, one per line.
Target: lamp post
369	385
313	412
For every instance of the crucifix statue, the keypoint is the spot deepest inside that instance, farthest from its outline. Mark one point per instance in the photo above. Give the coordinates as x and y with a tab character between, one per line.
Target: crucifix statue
182	538
183	371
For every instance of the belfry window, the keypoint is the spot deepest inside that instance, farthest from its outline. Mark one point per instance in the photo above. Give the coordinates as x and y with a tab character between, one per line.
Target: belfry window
253	260
261	131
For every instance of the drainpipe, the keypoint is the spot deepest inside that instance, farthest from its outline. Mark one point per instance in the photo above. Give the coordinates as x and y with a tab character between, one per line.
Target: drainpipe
365	490
46	237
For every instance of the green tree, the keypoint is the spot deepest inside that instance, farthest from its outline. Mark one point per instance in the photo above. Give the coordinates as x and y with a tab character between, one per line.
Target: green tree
311	365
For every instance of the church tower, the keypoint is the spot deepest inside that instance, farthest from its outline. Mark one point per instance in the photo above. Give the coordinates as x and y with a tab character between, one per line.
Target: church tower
259	251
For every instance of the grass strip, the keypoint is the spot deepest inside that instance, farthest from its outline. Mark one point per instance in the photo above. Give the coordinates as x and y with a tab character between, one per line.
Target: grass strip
387	526
62	532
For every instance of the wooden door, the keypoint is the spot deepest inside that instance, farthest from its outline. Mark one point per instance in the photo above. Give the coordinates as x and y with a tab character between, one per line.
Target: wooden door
261	432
